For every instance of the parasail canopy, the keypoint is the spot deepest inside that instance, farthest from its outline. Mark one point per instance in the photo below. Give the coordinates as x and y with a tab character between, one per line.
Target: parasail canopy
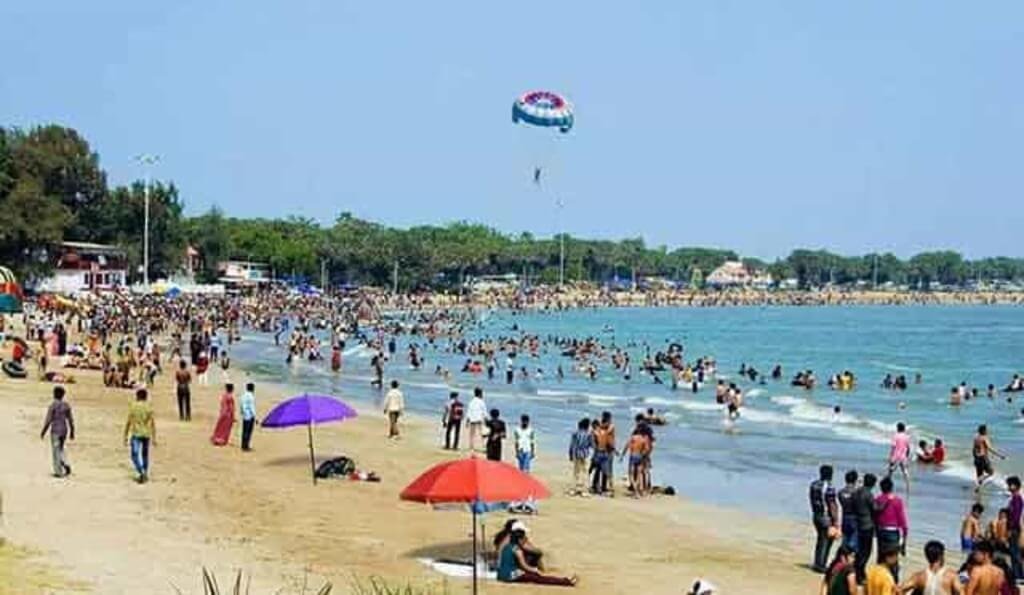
545	109
11	295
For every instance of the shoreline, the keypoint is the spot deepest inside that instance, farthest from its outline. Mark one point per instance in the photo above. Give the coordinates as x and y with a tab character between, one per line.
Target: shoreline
253	512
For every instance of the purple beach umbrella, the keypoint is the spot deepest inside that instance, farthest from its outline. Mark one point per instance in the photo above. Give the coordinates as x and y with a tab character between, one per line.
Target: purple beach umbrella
307	410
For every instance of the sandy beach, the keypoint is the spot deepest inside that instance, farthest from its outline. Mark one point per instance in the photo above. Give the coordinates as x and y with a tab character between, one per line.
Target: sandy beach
259	512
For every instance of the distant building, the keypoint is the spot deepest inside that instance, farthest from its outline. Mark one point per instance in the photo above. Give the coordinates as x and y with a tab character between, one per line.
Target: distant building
84	266
243	273
733	273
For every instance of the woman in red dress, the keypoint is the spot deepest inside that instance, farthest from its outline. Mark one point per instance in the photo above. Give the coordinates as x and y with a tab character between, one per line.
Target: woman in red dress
226	419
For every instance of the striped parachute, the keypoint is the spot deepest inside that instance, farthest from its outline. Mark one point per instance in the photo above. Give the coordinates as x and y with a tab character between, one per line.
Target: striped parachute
545	109
10	292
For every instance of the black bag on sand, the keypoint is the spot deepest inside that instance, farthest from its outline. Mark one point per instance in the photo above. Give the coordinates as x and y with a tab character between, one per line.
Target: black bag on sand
336	467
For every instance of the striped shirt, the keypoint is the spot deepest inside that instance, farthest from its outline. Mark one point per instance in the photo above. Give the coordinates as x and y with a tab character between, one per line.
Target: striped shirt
580	445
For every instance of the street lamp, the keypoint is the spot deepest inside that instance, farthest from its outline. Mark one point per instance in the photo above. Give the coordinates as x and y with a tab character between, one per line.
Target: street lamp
560	204
147	161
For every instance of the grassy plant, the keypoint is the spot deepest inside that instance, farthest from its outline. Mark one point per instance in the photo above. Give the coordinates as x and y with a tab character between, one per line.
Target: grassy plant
376	585
212	587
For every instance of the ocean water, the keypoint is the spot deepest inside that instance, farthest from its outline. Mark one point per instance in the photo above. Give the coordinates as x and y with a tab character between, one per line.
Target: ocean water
765	461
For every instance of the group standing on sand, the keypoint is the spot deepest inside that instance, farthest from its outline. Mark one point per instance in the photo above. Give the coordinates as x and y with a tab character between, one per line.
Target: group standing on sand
862	522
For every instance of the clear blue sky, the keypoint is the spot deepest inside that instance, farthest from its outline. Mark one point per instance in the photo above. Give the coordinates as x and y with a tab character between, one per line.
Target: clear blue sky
758	125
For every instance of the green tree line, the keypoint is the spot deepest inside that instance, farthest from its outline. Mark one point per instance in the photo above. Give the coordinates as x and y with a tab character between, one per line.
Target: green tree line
52	189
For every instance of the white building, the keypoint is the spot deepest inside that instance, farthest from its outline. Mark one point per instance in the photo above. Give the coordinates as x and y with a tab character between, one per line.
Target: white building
243	272
84	266
733	273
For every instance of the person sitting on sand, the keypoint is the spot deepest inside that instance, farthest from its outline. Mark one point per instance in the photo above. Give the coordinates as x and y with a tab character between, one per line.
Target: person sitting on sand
513	566
534	555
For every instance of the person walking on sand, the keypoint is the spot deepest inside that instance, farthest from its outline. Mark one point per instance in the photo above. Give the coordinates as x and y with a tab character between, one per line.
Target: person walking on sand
496	432
247	408
452	421
936	579
226	418
580	446
824	516
982	450
61	425
394	405
476	415
140	433
183	380
525	439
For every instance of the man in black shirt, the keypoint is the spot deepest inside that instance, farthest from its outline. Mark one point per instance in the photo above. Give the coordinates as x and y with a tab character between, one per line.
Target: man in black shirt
452	421
864	512
495	435
849	524
824	516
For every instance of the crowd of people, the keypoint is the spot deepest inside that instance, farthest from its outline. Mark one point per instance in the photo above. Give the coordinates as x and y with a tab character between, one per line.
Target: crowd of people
863	523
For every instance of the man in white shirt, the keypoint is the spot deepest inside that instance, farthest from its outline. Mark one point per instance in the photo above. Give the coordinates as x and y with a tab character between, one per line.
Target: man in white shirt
476	415
525	441
247	405
394	404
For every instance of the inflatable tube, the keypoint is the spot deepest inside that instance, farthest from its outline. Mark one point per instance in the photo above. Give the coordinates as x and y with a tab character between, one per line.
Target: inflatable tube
14	370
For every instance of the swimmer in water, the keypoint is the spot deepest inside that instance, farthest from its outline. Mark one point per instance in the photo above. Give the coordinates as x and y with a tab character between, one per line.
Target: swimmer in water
837	411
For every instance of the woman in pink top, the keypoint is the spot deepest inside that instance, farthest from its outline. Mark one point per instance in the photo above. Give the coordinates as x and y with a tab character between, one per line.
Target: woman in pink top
890	519
899	453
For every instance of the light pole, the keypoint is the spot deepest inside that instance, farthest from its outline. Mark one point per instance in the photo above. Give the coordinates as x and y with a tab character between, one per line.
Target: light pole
559	204
147	161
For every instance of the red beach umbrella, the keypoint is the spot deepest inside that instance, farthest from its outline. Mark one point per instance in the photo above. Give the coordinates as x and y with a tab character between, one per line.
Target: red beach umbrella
474	482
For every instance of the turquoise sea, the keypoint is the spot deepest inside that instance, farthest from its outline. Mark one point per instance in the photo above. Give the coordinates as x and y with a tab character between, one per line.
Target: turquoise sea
765	462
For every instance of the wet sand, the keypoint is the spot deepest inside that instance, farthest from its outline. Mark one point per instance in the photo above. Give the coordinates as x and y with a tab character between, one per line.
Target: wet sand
259	512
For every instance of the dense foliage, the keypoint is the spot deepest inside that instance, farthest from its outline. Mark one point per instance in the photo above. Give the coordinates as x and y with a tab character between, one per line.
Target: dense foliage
53	189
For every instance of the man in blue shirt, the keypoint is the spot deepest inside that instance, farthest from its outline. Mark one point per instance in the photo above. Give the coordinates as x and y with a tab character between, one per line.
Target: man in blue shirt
580	445
248	406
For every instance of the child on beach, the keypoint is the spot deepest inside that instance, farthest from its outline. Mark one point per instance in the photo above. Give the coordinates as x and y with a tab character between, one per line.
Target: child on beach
970	528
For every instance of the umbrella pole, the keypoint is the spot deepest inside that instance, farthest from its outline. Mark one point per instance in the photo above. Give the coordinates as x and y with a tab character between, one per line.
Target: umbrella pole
474	548
312	457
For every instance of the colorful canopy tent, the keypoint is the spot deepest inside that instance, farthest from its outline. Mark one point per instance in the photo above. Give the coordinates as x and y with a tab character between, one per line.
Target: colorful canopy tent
11	295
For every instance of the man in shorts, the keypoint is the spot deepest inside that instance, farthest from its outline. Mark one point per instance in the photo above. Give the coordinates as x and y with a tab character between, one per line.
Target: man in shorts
982	451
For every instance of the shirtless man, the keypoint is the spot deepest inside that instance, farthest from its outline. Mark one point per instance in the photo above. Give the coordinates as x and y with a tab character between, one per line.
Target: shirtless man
986	577
982	450
937	579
